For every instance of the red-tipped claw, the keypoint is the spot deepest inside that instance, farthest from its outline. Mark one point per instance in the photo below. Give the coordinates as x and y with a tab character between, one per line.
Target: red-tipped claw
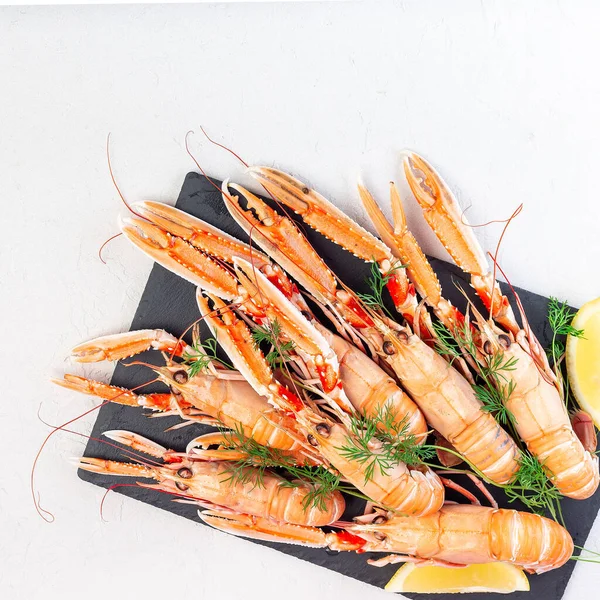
124	345
258	528
282	241
446	219
330	221
180	257
198	233
137	442
320	214
113	467
307	339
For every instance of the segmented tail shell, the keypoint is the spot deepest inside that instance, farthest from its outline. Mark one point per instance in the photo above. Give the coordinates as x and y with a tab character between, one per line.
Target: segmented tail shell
529	541
465	534
450	406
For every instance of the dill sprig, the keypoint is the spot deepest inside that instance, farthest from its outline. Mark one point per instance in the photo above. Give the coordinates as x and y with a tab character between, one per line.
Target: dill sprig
534	489
496	386
493	400
269	335
324	483
259	459
560	318
497	365
531	486
382	442
376	283
280	351
445	343
203	354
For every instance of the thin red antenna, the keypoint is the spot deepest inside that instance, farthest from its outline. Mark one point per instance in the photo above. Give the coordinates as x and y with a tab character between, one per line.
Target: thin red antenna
279	204
237	208
142	460
525	321
112	176
114	486
141	363
187	149
495	257
36	501
110	239
252	226
125	451
224	147
140	485
512	289
480	224
180	339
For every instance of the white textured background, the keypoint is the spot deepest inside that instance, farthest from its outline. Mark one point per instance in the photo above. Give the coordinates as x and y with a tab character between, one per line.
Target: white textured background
502	96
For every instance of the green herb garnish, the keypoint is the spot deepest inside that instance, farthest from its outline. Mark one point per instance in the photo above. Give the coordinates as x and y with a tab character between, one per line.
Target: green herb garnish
376	283
280	351
533	488
251	469
560	318
496	386
382	442
203	354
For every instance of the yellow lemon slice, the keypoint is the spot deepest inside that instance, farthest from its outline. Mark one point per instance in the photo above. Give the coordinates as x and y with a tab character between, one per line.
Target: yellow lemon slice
583	359
501	578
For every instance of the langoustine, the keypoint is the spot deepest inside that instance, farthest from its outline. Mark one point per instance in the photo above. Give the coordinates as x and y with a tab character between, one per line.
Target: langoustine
213	397
538	412
402	489
457	535
157	238
444	396
206	477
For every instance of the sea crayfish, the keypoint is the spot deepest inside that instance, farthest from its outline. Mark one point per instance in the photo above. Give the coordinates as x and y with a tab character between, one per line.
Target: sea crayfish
357	401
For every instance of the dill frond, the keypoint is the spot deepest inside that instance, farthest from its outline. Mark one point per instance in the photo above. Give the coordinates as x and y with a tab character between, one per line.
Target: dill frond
376	282
280	351
560	318
494	399
446	344
324	482
497	365
203	354
259	459
496	386
533	488
268	335
382	442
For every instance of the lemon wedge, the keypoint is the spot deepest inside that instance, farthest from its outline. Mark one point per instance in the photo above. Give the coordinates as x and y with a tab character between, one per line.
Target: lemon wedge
583	359
501	578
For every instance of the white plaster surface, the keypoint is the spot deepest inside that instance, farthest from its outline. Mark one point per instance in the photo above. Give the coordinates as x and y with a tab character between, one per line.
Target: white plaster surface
501	96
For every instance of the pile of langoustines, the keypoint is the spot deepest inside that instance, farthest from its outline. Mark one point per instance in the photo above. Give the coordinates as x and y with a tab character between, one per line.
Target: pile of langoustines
385	405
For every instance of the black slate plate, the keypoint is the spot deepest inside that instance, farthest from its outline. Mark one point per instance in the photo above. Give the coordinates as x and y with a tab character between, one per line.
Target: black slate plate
168	302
